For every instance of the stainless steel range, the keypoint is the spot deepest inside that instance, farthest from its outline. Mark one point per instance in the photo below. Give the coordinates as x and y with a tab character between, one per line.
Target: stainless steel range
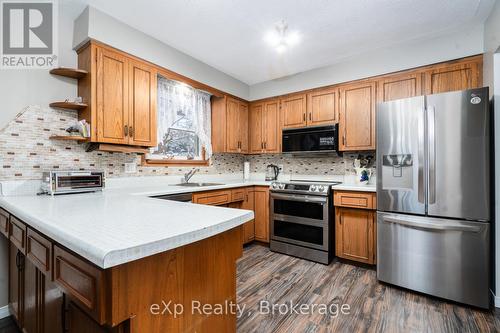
301	214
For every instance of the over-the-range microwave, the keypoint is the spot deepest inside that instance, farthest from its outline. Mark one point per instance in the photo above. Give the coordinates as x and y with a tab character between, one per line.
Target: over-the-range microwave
317	139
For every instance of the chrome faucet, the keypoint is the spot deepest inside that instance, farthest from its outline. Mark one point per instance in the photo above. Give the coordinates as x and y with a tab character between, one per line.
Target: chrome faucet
188	175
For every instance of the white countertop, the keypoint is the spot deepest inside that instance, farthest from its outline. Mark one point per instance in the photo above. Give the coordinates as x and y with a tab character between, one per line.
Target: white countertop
123	223
355	187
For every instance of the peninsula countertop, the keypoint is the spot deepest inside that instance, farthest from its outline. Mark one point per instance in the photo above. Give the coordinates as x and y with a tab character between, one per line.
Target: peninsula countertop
124	223
120	225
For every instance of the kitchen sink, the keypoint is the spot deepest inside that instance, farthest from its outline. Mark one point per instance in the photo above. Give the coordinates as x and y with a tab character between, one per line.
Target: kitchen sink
198	184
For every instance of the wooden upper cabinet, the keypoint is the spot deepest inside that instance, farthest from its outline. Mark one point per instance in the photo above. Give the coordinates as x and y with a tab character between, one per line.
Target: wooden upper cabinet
264	128
271	135
451	77
399	86
229	125
232	125
293	111
112	97
121	93
357	116
255	127
243	127
142	111
322	107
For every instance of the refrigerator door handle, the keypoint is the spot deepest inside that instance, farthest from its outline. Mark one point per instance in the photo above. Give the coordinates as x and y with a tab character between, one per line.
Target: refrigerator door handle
421	157
433	226
432	153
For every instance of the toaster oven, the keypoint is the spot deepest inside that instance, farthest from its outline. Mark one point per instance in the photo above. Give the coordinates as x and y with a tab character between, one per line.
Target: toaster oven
60	182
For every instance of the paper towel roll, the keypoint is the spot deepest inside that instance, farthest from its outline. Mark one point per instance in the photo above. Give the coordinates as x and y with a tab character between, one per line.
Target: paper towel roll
246	170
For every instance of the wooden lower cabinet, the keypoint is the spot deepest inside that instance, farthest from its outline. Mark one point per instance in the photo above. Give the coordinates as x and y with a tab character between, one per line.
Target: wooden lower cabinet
249	227
261	203
34	300
354	234
254	198
16	279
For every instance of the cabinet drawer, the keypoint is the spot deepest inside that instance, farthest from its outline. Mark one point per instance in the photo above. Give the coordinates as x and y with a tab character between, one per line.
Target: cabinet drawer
215	198
39	251
238	194
4	223
17	234
353	199
80	280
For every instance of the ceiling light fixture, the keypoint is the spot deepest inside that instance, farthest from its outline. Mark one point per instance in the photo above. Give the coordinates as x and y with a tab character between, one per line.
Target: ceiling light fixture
281	38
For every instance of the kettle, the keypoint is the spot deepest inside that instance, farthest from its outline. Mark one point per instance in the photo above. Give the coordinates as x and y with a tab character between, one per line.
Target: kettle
272	172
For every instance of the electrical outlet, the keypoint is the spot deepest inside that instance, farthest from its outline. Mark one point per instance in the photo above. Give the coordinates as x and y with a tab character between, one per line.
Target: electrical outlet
280	167
130	167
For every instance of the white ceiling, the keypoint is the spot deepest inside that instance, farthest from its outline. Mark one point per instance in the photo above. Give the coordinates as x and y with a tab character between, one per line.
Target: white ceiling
229	34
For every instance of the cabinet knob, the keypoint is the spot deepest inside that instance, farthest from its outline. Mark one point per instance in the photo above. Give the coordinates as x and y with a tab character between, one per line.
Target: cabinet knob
131	131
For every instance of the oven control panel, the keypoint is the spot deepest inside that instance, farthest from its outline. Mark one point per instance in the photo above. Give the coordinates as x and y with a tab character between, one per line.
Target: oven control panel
301	188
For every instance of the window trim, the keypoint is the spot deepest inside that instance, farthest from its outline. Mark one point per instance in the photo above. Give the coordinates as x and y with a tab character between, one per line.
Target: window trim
178	162
173	162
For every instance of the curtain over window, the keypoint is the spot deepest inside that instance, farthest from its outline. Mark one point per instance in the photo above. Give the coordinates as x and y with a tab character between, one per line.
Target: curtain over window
184	122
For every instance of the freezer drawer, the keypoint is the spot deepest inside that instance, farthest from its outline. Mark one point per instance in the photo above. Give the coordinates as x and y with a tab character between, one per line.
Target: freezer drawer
440	257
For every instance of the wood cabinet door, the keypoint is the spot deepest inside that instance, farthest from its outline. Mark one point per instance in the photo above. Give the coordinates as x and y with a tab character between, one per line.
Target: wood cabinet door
243	127
261	202
16	280
447	77
232	125
399	86
293	111
272	130
354	234
249	227
322	107
30	297
112	97
255	125
357	116
142	107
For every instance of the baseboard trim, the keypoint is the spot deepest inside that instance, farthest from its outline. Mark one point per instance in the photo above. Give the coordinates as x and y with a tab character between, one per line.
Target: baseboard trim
4	312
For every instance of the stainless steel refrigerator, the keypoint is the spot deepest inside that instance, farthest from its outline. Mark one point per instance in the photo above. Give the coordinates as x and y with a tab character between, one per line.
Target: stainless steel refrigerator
433	195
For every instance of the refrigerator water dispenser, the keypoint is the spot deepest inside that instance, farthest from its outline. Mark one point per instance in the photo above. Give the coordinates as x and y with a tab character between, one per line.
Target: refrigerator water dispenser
397	171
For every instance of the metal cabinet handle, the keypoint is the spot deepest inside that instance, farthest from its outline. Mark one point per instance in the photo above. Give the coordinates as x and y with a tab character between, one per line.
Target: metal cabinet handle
343	140
265	145
125	130
304	117
131	131
310	116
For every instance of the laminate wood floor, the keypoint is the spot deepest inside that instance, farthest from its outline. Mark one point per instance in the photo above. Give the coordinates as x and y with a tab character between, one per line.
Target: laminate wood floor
374	307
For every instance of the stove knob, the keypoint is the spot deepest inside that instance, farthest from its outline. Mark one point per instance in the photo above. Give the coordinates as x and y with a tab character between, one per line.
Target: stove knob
312	188
282	186
274	185
321	188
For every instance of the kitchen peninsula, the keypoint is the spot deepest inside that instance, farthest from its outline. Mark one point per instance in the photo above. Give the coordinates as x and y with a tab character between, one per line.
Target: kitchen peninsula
110	261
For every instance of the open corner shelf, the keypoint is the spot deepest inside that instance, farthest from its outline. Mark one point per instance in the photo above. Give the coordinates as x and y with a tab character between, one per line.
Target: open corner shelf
69	137
69	72
68	105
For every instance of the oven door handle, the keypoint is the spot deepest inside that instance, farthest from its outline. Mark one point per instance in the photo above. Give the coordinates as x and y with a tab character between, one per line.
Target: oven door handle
302	198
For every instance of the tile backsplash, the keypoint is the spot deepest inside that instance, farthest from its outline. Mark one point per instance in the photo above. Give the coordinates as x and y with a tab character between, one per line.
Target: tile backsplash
26	151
